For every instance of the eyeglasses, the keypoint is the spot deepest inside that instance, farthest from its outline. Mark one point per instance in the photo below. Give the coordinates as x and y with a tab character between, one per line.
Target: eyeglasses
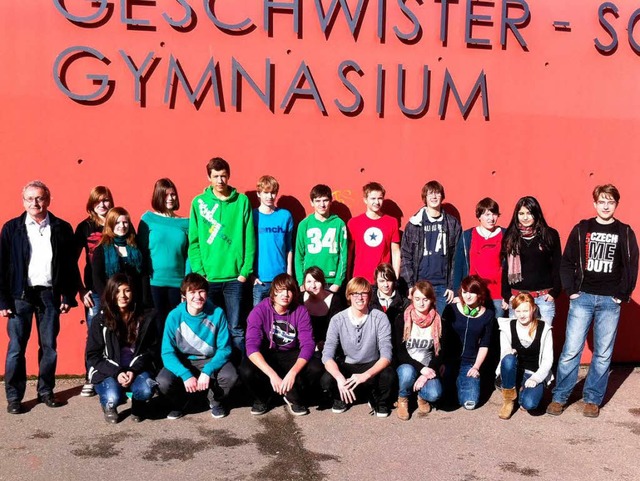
34	200
359	295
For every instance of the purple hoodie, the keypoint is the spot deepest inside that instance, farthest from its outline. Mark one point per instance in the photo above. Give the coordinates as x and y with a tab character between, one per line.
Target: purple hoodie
282	332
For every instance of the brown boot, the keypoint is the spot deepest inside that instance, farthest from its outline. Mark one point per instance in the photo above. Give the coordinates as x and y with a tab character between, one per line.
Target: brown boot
508	397
424	407
403	408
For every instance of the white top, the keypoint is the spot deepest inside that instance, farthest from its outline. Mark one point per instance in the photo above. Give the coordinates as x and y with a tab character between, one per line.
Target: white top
39	272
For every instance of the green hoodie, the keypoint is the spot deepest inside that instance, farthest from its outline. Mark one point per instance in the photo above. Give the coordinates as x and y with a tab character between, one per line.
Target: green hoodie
222	241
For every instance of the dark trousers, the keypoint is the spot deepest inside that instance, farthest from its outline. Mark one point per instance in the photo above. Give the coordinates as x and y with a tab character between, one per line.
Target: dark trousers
281	362
379	387
164	300
38	301
172	386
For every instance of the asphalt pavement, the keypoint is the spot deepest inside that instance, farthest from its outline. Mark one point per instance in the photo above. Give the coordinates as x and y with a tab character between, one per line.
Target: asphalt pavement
74	442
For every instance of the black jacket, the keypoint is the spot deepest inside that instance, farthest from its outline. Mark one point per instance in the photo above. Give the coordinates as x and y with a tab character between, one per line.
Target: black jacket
103	349
412	247
574	259
15	252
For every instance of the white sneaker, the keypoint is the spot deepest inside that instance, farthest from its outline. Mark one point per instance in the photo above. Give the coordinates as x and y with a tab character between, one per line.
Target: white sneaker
88	390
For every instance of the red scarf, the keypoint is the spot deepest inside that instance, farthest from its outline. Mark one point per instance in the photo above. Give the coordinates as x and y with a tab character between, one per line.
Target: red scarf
431	318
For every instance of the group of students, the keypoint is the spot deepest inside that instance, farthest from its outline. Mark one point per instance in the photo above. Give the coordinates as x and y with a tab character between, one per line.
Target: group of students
416	317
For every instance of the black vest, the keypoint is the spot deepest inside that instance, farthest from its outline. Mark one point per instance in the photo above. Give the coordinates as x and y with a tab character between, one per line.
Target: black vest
528	357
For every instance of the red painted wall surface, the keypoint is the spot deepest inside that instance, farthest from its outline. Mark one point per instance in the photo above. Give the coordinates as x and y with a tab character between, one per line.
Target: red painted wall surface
562	117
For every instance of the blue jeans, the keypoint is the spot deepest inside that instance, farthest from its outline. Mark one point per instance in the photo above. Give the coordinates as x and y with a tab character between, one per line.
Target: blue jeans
605	313
41	302
407	375
497	307
441	300
112	394
530	397
260	292
91	312
228	296
468	387
547	310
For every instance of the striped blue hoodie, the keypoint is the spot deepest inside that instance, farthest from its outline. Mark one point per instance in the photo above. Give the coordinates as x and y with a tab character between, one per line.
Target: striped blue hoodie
196	338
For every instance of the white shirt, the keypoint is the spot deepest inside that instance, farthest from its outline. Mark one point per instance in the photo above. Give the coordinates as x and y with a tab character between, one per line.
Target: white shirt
40	271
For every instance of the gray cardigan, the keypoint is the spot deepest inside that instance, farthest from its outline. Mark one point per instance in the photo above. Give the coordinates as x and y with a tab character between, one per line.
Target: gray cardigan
375	338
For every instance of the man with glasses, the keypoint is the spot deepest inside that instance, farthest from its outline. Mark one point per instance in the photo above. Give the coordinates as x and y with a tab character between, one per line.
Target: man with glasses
38	275
429	245
599	270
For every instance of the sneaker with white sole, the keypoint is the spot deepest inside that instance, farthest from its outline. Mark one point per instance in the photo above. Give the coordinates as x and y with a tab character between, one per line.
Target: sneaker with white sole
339	406
380	411
175	414
296	409
88	390
218	411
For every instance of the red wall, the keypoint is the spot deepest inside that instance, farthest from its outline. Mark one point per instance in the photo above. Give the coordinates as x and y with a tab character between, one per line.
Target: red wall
562	117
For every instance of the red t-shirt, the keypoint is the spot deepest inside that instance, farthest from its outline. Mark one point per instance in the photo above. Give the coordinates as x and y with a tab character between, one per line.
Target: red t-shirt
371	243
484	260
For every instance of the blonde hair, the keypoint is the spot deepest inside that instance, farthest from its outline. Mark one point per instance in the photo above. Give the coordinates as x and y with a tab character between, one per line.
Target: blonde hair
357	284
528	298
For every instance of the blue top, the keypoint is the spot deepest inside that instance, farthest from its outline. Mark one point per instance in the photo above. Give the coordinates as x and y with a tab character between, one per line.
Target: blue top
434	262
274	233
164	242
463	336
201	337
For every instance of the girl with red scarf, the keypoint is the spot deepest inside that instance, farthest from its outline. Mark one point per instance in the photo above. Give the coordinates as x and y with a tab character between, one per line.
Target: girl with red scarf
416	349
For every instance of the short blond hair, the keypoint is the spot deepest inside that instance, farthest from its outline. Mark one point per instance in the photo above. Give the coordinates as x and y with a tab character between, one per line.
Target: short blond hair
267	183
358	284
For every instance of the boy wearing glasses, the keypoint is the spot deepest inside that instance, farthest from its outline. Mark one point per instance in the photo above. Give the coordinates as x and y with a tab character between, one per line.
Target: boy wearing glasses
599	270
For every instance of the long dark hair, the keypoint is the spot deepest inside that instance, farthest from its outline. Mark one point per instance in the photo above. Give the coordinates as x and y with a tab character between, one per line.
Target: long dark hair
513	240
125	327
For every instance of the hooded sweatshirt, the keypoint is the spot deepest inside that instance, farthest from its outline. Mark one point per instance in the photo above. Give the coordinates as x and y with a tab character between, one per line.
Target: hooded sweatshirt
204	336
266	329
222	241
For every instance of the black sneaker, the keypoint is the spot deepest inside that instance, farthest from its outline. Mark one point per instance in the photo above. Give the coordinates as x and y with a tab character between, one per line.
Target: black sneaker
379	410
296	409
339	406
382	411
218	411
259	408
110	414
175	414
